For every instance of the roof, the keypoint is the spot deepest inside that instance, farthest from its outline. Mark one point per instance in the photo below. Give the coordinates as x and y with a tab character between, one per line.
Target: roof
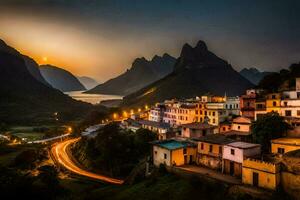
214	139
241	120
187	106
173	144
233	132
198	125
155	124
288	141
243	145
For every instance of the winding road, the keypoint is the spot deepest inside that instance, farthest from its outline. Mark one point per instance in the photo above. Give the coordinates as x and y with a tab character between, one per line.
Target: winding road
60	153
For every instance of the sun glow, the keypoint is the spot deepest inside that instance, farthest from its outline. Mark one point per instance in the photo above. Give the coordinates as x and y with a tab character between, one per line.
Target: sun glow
45	59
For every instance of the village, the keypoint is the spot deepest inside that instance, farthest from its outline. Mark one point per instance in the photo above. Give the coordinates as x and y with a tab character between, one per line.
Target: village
214	133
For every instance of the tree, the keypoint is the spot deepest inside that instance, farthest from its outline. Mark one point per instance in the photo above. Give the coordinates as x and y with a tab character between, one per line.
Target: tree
268	127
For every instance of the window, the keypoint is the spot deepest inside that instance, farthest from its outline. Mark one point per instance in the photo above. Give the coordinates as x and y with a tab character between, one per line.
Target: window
155	152
232	151
280	150
165	156
224	128
288	113
298	112
298	95
202	146
220	149
214	120
285	104
205	113
274	103
204	133
273	96
184	151
239	127
214	113
210	148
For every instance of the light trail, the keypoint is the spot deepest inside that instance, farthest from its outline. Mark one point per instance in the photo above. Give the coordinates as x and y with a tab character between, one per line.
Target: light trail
61	155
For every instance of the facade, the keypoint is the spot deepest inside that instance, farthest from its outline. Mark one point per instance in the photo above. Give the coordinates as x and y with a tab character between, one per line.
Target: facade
196	129
173	152
260	108
247	103
284	145
158	127
273	102
235	153
232	105
224	126
180	113
261	174
240	129
210	150
157	112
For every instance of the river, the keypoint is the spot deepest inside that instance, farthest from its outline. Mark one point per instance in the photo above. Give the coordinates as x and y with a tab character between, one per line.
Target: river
91	98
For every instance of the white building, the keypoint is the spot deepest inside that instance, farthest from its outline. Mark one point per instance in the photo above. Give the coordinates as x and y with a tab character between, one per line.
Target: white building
234	154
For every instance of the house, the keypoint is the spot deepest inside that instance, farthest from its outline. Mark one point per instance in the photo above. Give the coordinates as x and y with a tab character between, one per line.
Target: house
174	152
178	113
284	145
157	112
240	129
273	102
158	127
262	174
215	112
131	124
260	108
196	129
232	105
247	103
235	153
210	150
224	126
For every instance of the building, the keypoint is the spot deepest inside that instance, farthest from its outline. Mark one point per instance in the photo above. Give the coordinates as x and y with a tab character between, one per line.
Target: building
131	124
235	153
284	145
178	113
157	112
224	126
260	108
240	129
261	173
247	103
197	129
210	150
273	102
160	128
215	113
173	152
232	105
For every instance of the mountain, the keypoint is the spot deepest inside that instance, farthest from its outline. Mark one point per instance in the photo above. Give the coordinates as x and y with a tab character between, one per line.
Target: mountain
253	74
88	82
61	79
24	99
142	73
197	71
31	65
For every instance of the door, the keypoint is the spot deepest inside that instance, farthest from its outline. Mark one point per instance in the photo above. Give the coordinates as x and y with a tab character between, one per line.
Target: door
185	160
231	168
255	179
191	159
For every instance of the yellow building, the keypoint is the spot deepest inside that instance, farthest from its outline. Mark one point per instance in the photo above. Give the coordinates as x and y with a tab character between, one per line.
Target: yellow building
284	145
173	152
210	150
273	102
261	174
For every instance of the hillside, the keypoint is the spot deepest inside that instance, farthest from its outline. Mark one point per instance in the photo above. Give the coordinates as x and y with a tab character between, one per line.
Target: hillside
197	71
253	74
24	99
142	73
87	82
61	79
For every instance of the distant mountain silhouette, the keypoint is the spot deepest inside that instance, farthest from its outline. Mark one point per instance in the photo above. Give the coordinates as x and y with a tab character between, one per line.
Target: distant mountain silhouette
88	82
197	71
253	74
61	79
24	99
31	65
142	73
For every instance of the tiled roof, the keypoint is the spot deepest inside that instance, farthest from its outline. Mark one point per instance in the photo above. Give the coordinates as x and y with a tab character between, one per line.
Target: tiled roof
214	139
155	124
198	125
243	145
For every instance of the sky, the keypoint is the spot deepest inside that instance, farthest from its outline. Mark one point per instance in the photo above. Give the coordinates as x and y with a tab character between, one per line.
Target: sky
101	38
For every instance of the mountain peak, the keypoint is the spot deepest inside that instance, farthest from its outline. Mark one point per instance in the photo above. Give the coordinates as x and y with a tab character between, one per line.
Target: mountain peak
201	45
